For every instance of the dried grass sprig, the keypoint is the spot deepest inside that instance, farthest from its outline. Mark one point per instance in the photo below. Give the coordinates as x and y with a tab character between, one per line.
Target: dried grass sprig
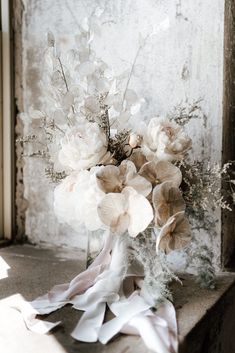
183	113
118	145
157	272
202	186
55	176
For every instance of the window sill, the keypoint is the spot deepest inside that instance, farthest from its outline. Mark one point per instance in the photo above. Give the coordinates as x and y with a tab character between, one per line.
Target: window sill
206	319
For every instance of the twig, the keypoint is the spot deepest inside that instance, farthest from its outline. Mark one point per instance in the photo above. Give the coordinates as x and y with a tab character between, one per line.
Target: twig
133	66
66	84
63	75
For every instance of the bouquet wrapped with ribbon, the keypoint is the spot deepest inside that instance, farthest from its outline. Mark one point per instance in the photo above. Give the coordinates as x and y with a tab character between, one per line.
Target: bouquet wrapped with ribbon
119	177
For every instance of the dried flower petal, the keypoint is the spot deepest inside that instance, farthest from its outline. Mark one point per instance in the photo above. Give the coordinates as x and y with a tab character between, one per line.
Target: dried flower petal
167	200
121	212
113	212
86	68
138	159
140	212
115	179
175	234
108	179
159	172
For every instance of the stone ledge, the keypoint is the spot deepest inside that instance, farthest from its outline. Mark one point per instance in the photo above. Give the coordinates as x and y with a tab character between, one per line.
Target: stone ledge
206	319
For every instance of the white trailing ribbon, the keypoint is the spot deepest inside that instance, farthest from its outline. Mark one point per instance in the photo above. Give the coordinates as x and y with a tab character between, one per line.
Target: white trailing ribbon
105	290
87	278
101	285
29	314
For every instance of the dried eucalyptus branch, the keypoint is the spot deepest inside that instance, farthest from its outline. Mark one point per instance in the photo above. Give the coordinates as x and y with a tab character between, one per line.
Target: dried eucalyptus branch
141	46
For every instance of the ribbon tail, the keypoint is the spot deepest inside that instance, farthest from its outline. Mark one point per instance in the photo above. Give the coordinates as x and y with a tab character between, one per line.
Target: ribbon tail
124	311
87	278
88	326
29	314
167	312
134	317
150	334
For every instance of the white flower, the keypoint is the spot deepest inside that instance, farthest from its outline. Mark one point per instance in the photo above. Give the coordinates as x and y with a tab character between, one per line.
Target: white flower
167	200
76	199
126	211
161	171
165	140
90	196
114	179
65	199
83	146
134	140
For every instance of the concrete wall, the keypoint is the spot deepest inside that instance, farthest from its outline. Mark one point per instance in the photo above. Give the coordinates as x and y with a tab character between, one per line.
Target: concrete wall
181	62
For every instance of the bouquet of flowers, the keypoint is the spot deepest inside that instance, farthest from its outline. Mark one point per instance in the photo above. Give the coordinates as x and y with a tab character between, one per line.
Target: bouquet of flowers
120	177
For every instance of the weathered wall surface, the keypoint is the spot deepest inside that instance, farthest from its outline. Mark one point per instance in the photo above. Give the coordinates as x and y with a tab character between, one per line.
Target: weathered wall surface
182	61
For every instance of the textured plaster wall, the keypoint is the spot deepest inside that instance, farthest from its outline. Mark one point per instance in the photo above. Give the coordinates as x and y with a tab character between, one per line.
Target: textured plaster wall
182	62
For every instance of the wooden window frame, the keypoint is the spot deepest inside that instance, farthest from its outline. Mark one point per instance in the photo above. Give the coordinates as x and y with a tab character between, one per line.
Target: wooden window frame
7	123
228	151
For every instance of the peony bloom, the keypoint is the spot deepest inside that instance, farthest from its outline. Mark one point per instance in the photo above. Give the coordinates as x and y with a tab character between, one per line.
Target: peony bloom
165	140
167	200
114	179
90	195
161	171
65	199
125	211
175	234
76	199
83	146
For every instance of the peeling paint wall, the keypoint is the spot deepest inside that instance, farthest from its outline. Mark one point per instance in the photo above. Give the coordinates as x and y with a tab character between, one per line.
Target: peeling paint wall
182	62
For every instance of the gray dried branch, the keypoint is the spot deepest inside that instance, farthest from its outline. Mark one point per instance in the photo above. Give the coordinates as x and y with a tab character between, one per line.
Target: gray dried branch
39	153
55	176
26	139
118	145
157	273
183	113
202	186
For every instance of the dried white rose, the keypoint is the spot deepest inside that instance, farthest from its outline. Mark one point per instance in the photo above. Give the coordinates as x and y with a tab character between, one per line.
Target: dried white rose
90	196
76	199
65	200
83	146
126	211
165	140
